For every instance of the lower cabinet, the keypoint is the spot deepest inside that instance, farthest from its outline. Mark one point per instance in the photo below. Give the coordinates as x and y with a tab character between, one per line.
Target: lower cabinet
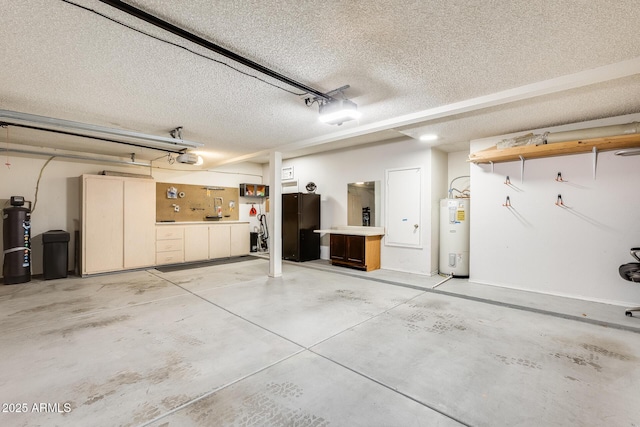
189	243
169	245
196	243
220	241
240	240
361	252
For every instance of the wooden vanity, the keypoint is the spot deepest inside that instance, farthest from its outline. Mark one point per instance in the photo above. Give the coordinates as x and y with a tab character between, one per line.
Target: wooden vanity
357	247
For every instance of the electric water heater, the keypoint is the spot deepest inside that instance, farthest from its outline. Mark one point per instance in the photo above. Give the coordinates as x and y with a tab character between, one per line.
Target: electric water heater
454	237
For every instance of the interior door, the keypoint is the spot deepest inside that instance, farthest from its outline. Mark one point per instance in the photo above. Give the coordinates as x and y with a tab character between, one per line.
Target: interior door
403	213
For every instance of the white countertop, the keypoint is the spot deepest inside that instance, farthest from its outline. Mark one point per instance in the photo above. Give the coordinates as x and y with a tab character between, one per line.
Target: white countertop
202	222
354	231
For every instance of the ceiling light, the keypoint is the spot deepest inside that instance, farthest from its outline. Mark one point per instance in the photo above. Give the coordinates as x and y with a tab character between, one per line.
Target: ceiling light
338	111
429	137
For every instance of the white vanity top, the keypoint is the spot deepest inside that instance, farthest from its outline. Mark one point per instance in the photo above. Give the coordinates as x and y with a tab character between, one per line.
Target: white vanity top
354	231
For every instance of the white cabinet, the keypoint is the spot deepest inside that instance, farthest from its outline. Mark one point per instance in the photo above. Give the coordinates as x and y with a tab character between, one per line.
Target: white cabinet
169	245
240	243
118	217
139	223
219	241
196	243
119	230
227	240
177	243
102	225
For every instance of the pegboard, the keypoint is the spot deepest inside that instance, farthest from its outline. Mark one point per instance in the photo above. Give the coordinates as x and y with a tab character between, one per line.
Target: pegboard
195	202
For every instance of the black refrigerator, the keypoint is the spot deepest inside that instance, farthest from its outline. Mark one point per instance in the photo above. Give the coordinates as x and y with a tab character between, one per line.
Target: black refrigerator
300	216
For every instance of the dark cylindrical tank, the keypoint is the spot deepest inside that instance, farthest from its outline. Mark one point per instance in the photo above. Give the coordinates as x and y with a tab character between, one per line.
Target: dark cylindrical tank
16	232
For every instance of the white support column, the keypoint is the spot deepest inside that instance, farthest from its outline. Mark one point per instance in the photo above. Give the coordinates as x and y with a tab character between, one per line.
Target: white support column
275	217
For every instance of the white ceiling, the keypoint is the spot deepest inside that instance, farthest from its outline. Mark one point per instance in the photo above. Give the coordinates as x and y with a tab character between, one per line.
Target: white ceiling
462	69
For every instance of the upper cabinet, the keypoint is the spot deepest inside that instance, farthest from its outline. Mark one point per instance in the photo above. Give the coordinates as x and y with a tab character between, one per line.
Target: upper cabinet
254	190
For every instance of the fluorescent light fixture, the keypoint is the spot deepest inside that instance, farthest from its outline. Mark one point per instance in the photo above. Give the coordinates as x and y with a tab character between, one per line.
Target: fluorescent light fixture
337	111
121	136
74	156
429	137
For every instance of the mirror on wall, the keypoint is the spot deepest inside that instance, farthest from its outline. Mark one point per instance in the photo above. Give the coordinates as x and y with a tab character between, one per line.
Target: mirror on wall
363	203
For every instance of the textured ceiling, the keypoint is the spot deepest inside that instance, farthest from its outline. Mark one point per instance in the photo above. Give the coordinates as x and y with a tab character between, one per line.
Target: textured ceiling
402	59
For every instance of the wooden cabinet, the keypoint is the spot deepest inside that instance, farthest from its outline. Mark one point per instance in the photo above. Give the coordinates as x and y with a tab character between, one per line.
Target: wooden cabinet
239	242
169	245
254	190
219	241
118	215
139	223
119	231
361	252
196	243
227	240
102	224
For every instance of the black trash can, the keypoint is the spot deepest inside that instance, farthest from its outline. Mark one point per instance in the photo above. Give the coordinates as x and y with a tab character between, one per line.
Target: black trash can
55	254
254	242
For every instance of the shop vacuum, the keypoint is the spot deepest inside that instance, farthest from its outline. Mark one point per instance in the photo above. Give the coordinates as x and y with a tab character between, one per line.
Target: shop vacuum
16	232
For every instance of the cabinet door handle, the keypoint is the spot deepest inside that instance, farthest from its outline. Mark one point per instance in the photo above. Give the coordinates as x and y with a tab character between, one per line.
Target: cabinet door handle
415	225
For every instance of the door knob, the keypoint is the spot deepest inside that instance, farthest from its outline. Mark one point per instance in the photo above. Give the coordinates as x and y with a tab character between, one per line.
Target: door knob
415	225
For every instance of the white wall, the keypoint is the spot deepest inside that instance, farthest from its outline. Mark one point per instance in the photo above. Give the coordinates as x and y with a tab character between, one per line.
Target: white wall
439	186
334	170
459	166
58	204
573	251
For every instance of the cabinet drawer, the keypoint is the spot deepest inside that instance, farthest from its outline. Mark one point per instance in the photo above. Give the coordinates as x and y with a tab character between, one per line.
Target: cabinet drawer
169	245
163	233
171	257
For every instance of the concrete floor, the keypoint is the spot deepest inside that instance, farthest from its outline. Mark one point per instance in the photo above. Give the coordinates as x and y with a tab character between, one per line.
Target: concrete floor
321	346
